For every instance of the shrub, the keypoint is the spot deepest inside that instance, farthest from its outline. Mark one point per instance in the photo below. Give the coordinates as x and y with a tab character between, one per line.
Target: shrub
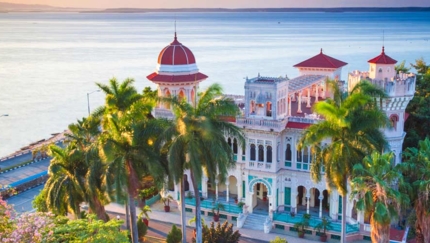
174	236
141	228
221	233
279	240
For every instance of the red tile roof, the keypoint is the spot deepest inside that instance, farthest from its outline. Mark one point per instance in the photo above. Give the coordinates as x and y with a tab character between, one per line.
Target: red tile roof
382	59
396	235
298	125
176	78
176	54
321	61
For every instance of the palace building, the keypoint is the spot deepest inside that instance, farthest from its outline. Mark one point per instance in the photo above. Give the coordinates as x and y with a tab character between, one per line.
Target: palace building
271	176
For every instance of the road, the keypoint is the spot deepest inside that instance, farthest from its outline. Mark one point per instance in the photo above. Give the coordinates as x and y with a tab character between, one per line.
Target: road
22	201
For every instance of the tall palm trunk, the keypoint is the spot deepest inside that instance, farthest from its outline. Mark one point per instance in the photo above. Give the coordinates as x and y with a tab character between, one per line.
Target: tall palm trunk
199	236
134	235
380	233
183	215
99	208
343	238
423	218
127	215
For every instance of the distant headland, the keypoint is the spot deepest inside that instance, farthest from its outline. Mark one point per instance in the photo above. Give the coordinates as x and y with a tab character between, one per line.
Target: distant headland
13	7
263	10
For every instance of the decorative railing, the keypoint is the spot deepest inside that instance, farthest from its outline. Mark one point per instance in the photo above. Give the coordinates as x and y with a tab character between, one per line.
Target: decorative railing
286	217
159	112
261	123
210	204
309	120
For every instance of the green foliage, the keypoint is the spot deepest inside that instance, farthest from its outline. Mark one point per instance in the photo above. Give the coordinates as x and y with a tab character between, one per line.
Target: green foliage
401	67
279	240
144	212
324	225
147	193
373	186
416	167
166	200
174	236
148	92
301	226
39	202
89	230
240	204
220	233
141	227
218	206
416	126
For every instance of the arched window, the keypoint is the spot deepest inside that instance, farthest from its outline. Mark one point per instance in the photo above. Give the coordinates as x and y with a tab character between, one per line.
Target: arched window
299	156
252	152
235	146
181	95
269	154
229	142
167	95
252	107
261	153
393	120
269	109
305	155
288	153
380	70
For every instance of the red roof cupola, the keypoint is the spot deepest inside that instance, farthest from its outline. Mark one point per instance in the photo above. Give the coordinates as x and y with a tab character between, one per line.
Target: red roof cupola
176	54
382	59
321	61
176	63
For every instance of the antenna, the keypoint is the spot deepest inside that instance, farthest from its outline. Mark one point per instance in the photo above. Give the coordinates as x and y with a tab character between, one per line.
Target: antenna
175	25
383	37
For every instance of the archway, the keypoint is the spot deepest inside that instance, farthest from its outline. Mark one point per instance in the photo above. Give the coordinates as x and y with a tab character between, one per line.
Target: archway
301	198
326	201
260	202
232	188
354	211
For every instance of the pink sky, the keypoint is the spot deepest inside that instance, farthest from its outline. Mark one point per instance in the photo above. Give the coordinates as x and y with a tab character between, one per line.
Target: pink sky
224	3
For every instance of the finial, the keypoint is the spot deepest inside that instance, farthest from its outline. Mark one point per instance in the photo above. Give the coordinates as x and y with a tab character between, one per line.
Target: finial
175	28
321	51
383	49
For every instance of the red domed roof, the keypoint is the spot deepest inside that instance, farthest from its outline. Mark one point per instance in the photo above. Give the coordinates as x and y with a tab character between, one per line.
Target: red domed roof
382	59
176	54
321	61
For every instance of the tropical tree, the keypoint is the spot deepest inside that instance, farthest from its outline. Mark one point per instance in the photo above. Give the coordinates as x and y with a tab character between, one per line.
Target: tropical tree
376	185
83	137
65	186
199	143
126	143
416	167
351	129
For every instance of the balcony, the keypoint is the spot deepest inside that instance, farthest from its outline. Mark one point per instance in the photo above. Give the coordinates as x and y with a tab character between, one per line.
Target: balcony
261	124
163	113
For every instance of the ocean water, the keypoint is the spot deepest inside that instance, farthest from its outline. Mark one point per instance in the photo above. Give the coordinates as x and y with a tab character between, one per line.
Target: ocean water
50	61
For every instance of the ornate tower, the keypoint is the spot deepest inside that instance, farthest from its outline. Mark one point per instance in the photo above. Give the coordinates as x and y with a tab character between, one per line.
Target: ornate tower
400	88
176	73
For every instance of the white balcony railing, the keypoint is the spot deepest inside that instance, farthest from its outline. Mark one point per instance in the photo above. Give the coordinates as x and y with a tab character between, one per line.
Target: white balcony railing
164	113
260	123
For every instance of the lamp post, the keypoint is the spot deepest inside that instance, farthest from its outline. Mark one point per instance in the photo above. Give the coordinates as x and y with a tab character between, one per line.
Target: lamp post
88	99
4	115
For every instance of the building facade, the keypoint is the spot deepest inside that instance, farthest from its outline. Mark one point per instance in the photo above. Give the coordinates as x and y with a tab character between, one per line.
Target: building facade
270	174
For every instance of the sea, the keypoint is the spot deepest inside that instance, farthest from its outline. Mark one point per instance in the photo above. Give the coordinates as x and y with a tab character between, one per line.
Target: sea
49	62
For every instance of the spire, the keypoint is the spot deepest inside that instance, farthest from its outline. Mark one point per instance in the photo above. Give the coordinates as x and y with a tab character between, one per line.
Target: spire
175	29
321	51
383	50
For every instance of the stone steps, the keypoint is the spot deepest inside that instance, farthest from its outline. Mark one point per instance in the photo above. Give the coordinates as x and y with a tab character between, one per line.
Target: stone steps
255	222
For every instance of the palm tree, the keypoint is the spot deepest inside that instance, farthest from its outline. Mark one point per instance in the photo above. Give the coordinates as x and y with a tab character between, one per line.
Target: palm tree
199	143
126	142
417	168
373	185
64	187
83	136
352	123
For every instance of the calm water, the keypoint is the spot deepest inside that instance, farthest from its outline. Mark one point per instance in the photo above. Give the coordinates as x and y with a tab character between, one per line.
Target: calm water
48	62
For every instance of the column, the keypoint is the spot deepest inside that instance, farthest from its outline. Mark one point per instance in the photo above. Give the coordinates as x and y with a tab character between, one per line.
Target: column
299	109
228	192
320	198
316	92
204	187
239	190
308	105
323	90
308	197
216	189
289	106
294	198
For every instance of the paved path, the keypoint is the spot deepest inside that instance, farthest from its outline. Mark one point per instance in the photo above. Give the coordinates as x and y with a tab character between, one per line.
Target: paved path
23	172
23	202
16	160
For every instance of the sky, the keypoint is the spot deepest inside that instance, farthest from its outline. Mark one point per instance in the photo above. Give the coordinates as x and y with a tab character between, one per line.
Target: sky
224	3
